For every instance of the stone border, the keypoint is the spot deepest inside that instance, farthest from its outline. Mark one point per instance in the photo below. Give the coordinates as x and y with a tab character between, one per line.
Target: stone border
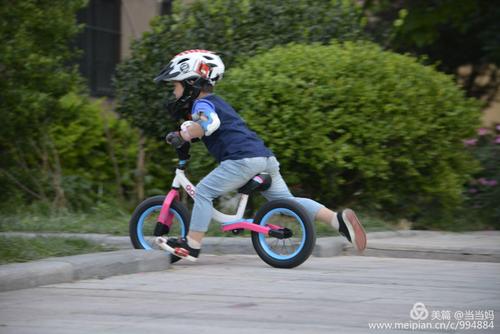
128	261
70	268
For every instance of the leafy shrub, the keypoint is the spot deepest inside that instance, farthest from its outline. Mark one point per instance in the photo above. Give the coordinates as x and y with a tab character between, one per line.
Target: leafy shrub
97	152
35	77
58	148
236	30
351	123
483	191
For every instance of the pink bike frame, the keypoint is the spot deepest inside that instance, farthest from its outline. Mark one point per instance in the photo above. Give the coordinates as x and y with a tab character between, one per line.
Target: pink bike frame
166	217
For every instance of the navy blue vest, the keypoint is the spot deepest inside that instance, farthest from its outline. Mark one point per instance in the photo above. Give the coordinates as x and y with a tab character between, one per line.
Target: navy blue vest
232	140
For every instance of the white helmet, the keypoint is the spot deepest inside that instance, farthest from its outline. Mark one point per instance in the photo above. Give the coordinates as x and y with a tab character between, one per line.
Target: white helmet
195	69
192	65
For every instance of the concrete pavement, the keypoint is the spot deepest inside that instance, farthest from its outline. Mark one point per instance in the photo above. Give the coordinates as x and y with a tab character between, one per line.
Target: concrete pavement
483	246
241	294
474	246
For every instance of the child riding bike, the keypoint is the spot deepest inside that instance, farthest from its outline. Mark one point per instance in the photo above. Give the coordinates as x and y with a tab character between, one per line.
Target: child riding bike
241	154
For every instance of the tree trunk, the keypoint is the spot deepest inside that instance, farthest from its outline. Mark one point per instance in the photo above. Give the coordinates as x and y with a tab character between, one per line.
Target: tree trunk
112	157
57	175
140	168
36	179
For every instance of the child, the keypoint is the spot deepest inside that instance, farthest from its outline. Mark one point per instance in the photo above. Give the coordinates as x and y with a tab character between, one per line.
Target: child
241	154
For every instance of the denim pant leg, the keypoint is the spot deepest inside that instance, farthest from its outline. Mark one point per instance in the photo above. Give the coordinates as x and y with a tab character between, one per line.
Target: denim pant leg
228	176
279	190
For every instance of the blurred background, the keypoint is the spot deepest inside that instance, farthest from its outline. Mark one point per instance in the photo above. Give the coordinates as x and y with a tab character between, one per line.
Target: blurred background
389	107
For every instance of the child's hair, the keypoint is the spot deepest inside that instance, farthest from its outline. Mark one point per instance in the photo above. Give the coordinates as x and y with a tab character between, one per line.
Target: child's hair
207	88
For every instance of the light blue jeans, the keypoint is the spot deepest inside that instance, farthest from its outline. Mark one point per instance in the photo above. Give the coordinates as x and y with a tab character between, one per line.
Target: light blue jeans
231	175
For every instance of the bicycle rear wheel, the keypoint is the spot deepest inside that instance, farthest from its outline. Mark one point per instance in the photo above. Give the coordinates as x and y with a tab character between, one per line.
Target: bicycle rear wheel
295	241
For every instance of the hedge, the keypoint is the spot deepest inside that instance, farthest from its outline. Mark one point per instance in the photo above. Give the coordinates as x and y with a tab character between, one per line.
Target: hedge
354	124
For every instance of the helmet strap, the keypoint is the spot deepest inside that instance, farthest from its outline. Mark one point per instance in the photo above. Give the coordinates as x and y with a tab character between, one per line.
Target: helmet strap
180	108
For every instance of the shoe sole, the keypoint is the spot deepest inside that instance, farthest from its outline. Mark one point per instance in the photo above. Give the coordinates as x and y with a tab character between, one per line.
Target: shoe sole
162	242
356	230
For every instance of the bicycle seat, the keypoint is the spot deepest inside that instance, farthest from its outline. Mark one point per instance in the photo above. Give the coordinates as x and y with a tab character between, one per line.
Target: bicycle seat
259	182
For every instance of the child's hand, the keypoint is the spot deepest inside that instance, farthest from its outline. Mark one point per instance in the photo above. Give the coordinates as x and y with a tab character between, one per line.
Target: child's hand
174	139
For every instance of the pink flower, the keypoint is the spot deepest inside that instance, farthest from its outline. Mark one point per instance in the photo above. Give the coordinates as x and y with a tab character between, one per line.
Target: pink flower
497	140
498	127
483	181
470	142
482	131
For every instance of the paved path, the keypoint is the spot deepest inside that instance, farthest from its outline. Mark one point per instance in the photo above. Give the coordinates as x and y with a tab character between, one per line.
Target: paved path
481	246
473	246
241	294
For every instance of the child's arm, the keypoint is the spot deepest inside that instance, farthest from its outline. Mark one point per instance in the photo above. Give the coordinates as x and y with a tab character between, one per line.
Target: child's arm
191	130
205	121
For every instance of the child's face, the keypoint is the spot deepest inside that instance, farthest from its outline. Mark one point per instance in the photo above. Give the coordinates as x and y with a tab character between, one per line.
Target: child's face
178	89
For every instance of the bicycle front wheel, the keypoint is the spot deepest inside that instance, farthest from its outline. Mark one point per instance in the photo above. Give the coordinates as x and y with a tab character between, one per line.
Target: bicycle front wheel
145	218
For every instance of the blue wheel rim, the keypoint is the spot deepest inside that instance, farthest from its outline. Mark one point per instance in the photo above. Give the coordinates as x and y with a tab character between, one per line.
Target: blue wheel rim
262	237
145	215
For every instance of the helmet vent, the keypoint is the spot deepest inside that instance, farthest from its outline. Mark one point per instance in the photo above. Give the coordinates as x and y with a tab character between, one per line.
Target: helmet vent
182	60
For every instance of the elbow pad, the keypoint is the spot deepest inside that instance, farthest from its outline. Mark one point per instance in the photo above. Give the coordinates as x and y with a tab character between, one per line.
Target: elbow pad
211	124
205	115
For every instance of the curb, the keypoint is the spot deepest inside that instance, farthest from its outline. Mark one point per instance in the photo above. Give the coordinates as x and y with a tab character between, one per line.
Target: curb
71	268
129	261
428	254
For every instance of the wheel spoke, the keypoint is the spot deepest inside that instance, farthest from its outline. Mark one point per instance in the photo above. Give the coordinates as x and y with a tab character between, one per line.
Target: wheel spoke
289	247
298	234
284	244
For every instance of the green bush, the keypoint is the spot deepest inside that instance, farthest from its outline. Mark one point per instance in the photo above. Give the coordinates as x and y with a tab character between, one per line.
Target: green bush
351	123
85	158
34	65
58	147
483	191
97	153
236	30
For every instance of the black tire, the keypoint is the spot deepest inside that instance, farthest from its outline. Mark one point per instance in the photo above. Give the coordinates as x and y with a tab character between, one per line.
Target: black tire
153	205
307	242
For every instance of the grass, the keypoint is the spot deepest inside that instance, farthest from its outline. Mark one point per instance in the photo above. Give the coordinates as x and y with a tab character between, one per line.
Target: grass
18	249
104	221
114	221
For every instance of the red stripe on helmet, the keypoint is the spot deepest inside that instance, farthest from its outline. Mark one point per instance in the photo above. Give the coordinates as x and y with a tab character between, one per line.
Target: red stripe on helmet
193	51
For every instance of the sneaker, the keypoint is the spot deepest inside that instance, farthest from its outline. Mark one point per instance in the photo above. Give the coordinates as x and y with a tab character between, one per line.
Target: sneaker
178	247
351	228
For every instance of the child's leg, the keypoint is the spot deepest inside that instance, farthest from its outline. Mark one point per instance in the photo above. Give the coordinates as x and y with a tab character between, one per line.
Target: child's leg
279	190
345	222
228	176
